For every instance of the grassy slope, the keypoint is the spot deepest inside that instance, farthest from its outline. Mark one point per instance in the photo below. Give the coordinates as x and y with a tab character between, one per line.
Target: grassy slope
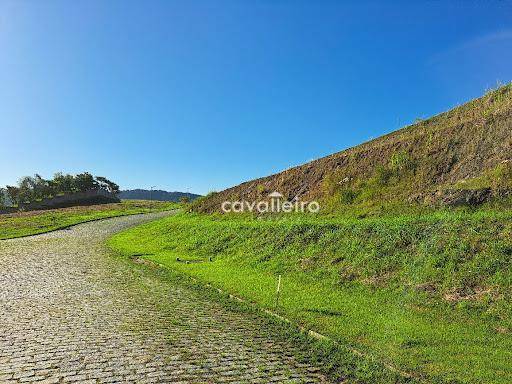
428	294
31	223
470	144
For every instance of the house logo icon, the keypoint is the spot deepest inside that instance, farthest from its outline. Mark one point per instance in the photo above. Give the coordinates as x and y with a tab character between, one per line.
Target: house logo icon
275	195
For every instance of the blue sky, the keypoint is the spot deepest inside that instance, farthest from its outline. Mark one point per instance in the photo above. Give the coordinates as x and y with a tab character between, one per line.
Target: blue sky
202	95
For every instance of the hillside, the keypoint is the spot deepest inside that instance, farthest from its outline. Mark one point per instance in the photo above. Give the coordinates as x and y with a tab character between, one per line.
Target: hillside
458	157
159	195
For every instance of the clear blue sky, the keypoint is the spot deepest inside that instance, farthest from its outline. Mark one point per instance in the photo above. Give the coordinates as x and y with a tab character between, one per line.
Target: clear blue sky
202	95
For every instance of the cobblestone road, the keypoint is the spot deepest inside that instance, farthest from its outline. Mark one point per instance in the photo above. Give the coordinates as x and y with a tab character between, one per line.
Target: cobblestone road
69	312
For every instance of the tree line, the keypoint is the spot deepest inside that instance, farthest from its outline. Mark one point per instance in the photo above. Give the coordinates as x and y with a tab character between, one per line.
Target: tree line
34	188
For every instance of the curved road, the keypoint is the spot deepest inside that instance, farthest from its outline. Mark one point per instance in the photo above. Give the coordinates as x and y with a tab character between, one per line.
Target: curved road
69	312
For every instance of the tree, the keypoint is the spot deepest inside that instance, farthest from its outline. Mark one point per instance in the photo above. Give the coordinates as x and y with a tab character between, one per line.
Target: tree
2	198
85	182
63	184
107	185
26	189
32	188
41	187
14	194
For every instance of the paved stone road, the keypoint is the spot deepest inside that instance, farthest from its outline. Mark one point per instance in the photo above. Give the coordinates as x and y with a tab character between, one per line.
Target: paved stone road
71	313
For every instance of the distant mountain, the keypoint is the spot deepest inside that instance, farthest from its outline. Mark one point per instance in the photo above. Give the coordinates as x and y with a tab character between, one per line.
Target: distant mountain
144	194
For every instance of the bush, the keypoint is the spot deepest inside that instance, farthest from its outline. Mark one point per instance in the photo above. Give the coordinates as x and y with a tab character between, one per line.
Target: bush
400	162
347	196
382	175
503	176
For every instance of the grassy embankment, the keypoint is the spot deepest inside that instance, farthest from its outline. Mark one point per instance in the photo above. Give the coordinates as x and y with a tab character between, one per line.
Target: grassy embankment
34	222
428	294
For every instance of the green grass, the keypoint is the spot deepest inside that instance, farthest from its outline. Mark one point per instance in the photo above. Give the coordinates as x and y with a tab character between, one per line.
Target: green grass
35	222
428	294
320	353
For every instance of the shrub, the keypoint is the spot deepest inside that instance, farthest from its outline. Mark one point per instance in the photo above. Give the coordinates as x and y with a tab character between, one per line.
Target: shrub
184	200
400	162
348	196
503	175
382	175
261	189
330	184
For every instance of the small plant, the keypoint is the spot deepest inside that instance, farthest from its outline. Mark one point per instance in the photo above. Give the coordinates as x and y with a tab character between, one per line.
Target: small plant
184	200
382	175
261	189
400	162
330	184
503	175
348	196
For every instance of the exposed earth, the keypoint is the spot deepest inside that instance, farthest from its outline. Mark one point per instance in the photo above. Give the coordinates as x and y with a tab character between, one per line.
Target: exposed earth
72	312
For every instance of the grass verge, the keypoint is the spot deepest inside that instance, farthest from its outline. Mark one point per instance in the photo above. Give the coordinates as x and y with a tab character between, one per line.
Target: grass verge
428	295
36	222
338	362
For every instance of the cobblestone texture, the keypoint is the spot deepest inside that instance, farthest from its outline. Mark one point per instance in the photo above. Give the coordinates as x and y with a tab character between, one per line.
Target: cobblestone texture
71	313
